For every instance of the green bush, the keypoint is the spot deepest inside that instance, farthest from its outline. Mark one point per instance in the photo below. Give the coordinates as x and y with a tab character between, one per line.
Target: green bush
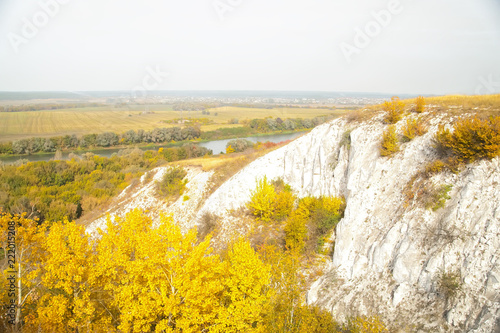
449	284
173	183
441	195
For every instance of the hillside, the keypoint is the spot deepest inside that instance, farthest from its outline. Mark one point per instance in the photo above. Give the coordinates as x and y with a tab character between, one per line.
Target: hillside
422	262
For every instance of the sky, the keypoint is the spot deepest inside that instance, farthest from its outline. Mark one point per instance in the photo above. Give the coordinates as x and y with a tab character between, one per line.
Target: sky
394	46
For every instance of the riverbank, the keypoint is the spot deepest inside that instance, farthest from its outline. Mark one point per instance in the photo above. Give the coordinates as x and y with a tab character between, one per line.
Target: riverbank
215	145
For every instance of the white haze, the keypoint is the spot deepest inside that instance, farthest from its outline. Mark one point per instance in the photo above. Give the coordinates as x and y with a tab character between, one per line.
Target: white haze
429	47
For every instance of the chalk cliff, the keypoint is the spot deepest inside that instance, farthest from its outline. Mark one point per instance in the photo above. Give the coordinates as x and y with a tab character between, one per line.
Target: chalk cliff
391	254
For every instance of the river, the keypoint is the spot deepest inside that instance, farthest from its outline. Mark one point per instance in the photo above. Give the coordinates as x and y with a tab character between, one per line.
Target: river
217	146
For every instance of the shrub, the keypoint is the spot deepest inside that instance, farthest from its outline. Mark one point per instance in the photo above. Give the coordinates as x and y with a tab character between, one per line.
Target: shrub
434	167
229	149
172	183
420	107
394	109
449	284
412	129
471	139
346	139
440	196
239	145
325	215
296	229
389	142
365	325
285	201
208	224
263	200
311	222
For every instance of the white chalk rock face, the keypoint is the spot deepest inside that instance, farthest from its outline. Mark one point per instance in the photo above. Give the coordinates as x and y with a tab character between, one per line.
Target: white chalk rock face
144	196
390	254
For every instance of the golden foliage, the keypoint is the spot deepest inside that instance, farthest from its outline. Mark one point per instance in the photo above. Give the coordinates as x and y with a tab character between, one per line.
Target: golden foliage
435	167
263	200
68	299
26	250
413	128
467	102
230	150
389	143
140	278
285	201
245	290
363	324
471	139
286	310
420	104
296	229
394	110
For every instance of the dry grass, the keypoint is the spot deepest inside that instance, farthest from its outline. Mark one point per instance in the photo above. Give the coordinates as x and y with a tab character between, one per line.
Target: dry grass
467	102
80	121
361	115
483	105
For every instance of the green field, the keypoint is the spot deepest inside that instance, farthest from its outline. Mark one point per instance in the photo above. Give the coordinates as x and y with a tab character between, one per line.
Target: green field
19	125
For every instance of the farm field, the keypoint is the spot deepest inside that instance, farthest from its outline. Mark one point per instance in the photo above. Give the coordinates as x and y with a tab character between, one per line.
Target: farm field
19	125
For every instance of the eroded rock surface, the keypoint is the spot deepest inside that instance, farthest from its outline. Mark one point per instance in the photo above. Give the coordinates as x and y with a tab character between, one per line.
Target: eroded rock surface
390	252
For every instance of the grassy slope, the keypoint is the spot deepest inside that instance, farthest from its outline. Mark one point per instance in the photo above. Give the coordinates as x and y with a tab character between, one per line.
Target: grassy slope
18	125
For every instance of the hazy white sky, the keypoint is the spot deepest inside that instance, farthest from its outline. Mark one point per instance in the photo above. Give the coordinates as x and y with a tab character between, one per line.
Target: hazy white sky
395	46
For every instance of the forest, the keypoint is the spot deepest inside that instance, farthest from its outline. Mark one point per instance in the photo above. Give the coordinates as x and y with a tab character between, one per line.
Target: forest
136	277
54	190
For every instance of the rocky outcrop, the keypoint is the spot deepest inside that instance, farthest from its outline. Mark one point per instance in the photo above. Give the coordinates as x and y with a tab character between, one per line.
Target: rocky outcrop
144	196
392	257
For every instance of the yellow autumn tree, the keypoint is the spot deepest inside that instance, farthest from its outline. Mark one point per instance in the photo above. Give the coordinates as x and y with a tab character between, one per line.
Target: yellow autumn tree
229	149
246	290
69	297
287	311
160	279
20	249
296	228
284	205
164	281
263	199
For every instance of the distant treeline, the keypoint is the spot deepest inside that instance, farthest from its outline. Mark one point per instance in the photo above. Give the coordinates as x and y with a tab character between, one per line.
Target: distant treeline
194	106
157	135
278	124
260	126
277	106
103	140
39	107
